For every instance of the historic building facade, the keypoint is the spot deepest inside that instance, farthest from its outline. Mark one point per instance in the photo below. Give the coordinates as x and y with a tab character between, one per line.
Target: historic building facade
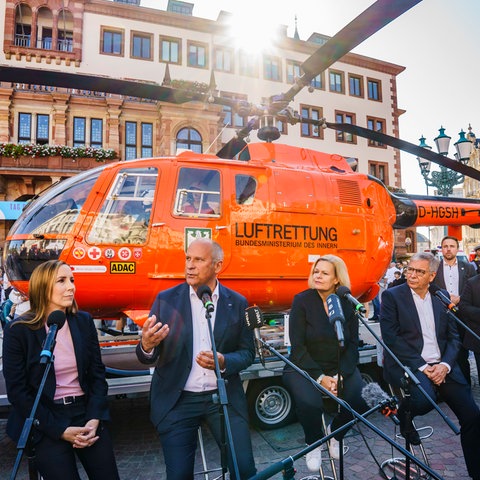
122	40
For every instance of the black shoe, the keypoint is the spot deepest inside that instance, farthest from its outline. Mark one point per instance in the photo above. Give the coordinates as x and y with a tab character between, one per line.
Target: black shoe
407	430
409	433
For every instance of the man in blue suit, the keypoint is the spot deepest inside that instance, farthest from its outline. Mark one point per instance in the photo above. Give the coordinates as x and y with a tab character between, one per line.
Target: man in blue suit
176	338
416	327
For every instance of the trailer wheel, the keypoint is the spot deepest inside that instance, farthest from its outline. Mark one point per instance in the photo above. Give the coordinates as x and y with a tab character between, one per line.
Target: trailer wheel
270	404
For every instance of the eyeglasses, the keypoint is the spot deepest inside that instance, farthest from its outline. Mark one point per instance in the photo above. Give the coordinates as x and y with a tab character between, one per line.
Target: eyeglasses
417	271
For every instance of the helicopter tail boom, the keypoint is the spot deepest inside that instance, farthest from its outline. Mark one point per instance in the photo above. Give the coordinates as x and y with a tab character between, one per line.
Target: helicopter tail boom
422	211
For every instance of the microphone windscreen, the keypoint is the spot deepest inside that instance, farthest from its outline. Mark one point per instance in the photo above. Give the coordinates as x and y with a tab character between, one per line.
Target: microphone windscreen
342	290
253	317
202	290
335	310
373	394
57	317
433	288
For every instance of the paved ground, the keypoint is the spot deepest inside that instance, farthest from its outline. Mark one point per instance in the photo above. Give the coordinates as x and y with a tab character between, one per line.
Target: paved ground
139	454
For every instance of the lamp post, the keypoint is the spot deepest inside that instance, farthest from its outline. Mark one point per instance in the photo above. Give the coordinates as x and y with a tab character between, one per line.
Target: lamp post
445	179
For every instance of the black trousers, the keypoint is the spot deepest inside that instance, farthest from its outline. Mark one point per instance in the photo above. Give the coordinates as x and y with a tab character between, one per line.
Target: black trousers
458	396
309	403
179	433
55	459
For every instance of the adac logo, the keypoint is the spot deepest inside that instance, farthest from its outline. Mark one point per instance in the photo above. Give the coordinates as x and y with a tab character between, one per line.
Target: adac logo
79	253
122	267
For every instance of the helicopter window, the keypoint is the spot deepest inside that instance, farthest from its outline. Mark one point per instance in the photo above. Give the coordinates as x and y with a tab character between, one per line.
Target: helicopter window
198	193
245	188
125	215
59	209
190	139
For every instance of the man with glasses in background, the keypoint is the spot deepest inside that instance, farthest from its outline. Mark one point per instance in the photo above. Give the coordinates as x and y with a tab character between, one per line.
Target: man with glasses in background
452	275
416	327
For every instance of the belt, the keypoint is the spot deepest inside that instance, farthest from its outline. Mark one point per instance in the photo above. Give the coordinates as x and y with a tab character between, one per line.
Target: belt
69	400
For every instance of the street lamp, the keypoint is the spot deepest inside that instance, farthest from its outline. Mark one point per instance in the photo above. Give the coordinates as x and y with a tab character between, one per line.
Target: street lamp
445	179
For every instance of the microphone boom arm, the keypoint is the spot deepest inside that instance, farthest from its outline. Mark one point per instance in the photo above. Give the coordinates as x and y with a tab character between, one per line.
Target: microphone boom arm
287	463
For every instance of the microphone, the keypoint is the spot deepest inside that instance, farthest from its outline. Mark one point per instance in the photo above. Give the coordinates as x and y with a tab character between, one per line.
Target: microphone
336	317
55	321
436	290
205	295
374	395
343	291
254	320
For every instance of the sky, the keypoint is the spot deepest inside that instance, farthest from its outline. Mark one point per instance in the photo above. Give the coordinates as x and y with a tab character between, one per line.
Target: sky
437	41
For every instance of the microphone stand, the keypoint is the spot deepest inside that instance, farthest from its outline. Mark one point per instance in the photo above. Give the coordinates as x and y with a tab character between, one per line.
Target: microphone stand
29	422
462	324
222	400
287	464
339	393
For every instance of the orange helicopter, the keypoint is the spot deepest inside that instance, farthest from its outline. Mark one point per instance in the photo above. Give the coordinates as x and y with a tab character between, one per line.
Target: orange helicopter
124	227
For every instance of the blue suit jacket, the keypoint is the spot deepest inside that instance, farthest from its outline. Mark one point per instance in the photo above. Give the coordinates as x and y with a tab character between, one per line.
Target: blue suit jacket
174	355
23	374
402	333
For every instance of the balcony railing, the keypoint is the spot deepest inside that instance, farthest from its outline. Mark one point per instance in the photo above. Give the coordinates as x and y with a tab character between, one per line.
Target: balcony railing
22	40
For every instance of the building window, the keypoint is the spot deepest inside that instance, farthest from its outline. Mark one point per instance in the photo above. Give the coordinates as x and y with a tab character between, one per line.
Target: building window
130	140
344	117
231	116
374	90
282	127
355	84
307	129
177	6
224	59
377	125
293	71
79	131
147	140
248	64
197	55
379	170
24	128
43	124
111	42
318	82
170	50
337	83
272	68
141	45
190	139
96	132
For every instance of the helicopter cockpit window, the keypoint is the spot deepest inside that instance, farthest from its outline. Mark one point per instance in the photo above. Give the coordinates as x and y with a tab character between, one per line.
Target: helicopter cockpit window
245	189
60	207
125	214
198	193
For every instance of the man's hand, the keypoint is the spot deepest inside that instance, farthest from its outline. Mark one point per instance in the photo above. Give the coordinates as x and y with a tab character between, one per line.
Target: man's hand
153	333
436	373
330	383
205	360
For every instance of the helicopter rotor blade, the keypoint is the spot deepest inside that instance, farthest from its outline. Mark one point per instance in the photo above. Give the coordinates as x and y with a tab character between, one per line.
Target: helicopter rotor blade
373	19
406	147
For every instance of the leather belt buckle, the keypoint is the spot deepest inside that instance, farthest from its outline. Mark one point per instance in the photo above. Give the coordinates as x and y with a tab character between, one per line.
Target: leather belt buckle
68	400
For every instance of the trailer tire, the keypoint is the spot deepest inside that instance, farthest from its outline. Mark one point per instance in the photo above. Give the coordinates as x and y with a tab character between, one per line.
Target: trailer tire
270	404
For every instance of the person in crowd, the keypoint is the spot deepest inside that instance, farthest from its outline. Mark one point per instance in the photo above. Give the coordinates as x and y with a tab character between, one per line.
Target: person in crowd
316	350
470	307
390	273
476	260
452	275
71	414
398	279
416	327
175	338
20	303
